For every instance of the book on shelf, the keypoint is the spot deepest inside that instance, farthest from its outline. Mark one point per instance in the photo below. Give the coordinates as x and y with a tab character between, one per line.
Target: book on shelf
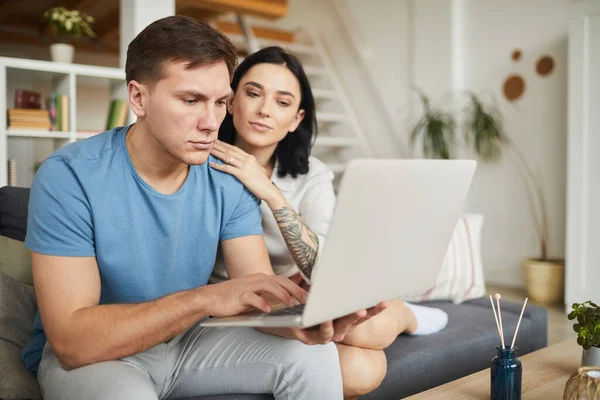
28	118
61	112
51	106
117	113
64	100
12	172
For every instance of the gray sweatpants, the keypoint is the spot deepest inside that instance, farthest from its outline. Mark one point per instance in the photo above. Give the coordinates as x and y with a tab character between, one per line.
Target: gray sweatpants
202	362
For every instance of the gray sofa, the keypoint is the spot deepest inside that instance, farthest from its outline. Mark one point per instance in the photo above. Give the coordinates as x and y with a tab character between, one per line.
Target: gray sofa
415	363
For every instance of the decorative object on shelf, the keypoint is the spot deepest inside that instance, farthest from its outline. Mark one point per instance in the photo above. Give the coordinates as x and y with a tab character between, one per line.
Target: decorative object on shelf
437	128
28	99
583	384
587	327
12	172
67	25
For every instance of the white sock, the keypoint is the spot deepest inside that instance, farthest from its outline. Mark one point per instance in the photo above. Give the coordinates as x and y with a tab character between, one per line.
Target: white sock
430	320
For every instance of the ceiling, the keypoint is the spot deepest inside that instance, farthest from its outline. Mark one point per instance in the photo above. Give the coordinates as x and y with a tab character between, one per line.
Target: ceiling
21	20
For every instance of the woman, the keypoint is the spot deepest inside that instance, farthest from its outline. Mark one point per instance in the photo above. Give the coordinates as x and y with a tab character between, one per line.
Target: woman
265	141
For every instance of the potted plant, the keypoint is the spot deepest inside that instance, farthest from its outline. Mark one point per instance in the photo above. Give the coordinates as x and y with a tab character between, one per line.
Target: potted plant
437	129
588	331
484	132
67	25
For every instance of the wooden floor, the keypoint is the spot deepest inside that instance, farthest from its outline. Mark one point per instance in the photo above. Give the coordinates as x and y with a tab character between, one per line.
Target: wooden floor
559	327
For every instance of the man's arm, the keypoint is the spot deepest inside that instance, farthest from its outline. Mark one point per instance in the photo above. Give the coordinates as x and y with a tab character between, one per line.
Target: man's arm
81	332
246	255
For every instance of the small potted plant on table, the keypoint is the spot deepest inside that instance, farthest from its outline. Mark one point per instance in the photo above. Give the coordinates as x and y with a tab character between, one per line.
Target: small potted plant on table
588	331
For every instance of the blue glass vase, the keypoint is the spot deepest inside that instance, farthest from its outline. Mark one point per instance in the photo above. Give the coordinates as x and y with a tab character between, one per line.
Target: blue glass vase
506	374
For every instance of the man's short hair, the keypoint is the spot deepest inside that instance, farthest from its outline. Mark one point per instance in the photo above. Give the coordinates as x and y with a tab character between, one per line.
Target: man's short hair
176	38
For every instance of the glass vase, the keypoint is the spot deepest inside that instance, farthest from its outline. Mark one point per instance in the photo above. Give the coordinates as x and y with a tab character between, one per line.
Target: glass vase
506	374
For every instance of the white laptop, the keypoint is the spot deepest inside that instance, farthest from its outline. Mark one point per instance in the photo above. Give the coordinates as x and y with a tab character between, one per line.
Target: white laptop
388	237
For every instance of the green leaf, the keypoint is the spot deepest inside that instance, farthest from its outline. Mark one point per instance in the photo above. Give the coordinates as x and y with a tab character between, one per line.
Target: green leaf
571	316
576	328
580	340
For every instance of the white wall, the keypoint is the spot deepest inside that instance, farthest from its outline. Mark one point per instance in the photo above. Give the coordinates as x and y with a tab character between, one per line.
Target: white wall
536	123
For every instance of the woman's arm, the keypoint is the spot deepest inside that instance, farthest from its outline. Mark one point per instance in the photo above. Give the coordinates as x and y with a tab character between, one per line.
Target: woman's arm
316	206
301	241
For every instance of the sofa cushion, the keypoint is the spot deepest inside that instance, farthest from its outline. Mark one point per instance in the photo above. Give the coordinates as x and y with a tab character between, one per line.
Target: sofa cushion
17	308
465	346
461	276
15	260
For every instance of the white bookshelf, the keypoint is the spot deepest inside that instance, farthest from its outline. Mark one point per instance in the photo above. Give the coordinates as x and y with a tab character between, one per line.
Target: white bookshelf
90	89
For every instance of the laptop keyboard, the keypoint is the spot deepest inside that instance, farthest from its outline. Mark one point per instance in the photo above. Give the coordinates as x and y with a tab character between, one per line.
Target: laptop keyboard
291	311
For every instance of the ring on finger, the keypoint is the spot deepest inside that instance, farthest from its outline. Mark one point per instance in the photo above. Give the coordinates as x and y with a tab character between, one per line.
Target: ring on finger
232	160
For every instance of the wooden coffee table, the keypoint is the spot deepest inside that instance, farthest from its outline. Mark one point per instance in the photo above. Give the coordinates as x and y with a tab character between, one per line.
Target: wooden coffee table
545	373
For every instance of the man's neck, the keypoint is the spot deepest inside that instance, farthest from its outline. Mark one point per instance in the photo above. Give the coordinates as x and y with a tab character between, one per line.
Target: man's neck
158	168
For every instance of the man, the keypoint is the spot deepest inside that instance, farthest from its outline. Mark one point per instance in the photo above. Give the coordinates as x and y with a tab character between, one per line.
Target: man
124	229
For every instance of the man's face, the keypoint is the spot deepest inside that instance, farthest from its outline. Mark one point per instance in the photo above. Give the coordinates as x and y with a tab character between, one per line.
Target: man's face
184	110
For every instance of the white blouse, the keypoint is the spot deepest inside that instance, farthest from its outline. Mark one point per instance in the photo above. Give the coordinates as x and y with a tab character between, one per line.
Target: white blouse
313	197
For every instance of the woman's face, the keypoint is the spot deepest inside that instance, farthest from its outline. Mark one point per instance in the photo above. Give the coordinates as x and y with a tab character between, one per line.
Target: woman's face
265	106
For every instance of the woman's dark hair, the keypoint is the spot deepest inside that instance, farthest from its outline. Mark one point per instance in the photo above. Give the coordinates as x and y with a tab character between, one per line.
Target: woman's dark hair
293	151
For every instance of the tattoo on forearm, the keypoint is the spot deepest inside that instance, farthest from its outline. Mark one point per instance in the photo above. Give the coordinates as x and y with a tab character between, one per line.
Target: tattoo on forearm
301	241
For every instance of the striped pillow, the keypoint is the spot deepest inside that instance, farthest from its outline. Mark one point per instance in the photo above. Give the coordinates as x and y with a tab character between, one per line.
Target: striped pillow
461	276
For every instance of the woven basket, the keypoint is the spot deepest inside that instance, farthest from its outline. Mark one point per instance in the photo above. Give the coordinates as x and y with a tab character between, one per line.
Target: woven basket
583	384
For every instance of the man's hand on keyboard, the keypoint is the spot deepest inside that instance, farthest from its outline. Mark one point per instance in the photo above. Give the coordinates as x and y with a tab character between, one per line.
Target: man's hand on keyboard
239	295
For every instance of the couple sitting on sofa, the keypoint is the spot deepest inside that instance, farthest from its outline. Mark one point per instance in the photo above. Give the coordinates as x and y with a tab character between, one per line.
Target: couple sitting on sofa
125	227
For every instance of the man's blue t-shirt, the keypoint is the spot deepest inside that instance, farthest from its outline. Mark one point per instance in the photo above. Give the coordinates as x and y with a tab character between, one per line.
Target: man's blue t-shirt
87	200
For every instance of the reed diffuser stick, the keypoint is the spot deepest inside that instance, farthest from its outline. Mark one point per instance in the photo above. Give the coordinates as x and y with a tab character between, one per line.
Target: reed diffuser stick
518	324
495	316
498	297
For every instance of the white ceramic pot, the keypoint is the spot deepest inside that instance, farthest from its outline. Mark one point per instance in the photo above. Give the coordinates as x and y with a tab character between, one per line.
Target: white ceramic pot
62	52
591	357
